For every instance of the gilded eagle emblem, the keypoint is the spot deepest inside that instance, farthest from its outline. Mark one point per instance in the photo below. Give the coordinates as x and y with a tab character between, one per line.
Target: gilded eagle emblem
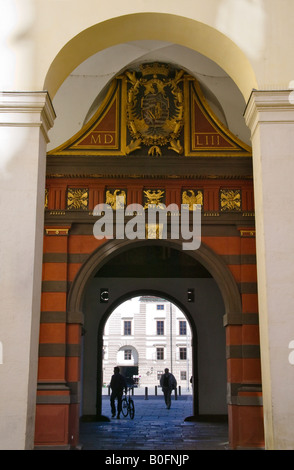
116	199
155	109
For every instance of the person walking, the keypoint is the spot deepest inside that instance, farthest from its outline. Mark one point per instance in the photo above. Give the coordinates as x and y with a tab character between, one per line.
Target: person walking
117	384
168	383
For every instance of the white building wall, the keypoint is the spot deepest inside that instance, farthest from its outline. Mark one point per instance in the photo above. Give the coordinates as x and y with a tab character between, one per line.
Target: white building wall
144	341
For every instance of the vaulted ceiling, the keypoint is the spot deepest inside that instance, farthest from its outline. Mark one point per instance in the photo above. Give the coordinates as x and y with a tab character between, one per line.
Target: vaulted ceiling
82	92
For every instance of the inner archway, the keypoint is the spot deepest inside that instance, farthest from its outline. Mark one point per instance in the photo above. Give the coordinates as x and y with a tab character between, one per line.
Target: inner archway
212	262
205	314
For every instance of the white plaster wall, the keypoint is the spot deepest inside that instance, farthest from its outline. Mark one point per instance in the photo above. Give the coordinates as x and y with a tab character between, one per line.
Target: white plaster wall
38	29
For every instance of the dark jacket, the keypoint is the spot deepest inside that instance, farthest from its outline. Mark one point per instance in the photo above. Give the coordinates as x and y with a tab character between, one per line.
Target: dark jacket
118	383
172	383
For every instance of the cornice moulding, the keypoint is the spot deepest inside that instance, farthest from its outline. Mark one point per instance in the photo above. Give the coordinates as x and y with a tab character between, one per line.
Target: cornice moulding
273	106
27	109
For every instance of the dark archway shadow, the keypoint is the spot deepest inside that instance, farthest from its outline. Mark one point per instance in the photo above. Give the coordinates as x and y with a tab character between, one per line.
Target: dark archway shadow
99	258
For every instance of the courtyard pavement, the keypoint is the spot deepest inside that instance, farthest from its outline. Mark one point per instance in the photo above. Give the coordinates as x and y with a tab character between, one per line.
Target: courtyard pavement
154	428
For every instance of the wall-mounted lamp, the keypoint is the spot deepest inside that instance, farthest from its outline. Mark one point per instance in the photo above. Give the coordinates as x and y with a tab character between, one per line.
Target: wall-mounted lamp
190	295
104	295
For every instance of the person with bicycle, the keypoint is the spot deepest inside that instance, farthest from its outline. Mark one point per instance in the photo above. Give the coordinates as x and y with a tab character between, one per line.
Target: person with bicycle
128	406
117	384
168	383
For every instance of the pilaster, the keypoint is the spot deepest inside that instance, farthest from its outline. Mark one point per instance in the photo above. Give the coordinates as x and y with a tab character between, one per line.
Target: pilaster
25	118
270	116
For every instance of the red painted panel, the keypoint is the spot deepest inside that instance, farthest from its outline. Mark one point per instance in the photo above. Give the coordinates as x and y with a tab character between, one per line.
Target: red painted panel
53	302
249	303
51	368
55	244
246	429
73	270
251	429
52	333
73	334
250	334
223	245
54	272
51	426
233	335
72	369
251	371
84	243
235	370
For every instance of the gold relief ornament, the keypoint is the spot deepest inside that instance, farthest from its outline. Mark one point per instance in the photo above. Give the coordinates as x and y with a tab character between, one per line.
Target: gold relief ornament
46	198
77	198
153	198
230	199
155	109
154	231
190	197
116	198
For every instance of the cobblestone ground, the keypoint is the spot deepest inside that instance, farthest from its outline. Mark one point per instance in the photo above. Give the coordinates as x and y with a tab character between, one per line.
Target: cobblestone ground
154	428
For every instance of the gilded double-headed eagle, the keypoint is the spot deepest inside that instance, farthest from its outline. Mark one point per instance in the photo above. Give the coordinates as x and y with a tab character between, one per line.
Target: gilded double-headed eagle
155	109
153	197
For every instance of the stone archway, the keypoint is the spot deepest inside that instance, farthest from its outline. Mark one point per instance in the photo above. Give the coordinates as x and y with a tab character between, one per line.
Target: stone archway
83	44
210	260
214	263
193	34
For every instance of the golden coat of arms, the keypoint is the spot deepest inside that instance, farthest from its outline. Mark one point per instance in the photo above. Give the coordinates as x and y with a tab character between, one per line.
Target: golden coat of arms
155	109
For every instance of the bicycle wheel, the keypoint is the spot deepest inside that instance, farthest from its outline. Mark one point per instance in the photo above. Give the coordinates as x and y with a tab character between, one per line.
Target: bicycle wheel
131	409
124	407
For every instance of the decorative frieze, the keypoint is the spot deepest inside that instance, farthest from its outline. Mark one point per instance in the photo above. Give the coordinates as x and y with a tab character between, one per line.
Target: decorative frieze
230	200
248	232
191	197
77	199
214	198
116	198
57	230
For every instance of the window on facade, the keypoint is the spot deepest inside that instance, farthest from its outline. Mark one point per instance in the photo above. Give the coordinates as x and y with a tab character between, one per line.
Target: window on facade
160	327
159	374
128	354
127	327
159	354
183	353
183	327
183	375
160	307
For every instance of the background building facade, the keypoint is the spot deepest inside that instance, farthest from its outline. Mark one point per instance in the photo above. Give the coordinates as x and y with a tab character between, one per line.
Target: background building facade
145	335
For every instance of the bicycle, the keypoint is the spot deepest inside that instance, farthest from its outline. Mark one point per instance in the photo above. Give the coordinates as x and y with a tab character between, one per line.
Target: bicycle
127	403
